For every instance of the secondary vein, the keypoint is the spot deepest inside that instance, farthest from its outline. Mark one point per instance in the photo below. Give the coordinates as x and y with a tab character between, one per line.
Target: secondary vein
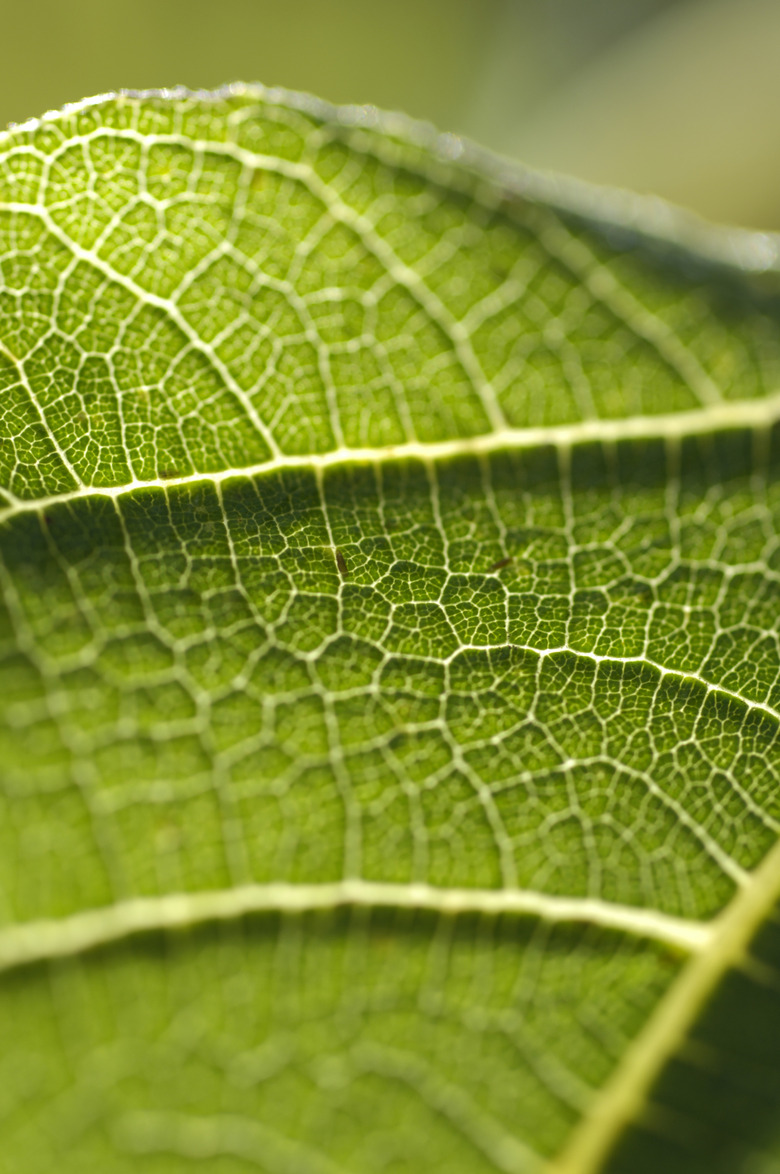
756	415
46	939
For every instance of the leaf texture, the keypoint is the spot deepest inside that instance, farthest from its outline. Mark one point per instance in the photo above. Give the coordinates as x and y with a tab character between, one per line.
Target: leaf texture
389	657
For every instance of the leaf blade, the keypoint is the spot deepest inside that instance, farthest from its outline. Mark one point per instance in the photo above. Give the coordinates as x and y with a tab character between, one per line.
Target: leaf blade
249	345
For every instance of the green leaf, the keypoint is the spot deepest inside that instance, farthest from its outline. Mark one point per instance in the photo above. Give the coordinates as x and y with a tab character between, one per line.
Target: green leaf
389	657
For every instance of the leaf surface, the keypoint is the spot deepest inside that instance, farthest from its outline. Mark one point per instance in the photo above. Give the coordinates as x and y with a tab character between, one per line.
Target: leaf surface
389	657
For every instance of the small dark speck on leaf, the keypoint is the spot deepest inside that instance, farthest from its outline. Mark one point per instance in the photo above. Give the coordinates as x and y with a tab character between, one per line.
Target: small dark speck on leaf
341	563
502	562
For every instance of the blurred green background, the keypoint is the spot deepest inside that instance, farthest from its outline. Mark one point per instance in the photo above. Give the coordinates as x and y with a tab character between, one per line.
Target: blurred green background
676	97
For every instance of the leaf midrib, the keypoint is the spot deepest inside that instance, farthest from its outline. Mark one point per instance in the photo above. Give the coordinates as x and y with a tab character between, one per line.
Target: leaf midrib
621	1100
